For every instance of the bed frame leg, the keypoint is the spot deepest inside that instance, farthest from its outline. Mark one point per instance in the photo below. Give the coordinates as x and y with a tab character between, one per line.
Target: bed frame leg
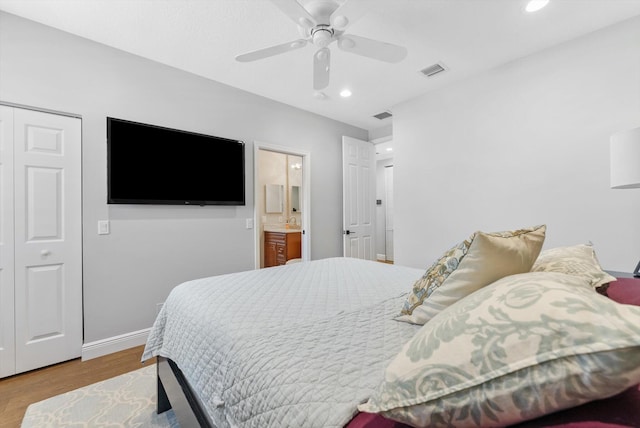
163	399
174	392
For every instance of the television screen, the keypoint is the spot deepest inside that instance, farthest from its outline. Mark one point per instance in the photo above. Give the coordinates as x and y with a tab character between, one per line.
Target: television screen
149	164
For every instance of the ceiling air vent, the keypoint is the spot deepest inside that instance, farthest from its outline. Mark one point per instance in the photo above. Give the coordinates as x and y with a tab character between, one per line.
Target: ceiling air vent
432	70
383	115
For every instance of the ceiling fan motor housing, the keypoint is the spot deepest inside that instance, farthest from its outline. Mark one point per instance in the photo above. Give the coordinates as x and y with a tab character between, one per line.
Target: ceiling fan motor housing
322	35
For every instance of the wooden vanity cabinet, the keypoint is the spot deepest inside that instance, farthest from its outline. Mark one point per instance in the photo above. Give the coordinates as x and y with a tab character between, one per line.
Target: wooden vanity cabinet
280	247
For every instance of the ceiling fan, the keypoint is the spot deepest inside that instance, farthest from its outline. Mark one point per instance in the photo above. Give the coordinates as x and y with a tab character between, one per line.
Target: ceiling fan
322	22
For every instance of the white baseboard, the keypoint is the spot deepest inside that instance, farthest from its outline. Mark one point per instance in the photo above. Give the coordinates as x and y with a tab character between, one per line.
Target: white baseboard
382	257
113	344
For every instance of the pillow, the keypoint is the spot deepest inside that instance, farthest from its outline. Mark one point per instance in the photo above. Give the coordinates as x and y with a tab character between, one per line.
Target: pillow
578	260
469	266
524	346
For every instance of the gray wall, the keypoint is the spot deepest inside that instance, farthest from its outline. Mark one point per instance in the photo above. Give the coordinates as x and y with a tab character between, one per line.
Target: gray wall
523	144
153	248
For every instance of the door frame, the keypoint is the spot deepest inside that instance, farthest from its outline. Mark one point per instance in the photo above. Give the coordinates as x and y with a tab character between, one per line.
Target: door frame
42	110
7	263
306	196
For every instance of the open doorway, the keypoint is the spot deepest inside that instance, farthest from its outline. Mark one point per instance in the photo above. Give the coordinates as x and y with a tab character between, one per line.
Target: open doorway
282	205
384	201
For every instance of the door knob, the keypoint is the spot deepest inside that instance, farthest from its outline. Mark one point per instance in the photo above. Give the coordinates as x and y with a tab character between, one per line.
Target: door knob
45	252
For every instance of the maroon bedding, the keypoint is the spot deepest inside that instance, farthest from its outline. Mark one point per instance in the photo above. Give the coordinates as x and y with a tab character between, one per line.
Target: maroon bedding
620	411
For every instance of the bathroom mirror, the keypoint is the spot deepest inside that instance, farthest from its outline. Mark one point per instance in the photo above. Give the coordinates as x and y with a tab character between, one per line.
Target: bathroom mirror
295	199
274	198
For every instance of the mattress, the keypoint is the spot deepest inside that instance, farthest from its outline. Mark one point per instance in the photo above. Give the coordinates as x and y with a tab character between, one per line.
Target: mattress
295	345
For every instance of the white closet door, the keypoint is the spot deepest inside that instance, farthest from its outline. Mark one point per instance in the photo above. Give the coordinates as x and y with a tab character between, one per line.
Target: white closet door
48	238
7	327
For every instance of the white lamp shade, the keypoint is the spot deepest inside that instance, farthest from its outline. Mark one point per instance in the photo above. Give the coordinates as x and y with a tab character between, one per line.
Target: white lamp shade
625	159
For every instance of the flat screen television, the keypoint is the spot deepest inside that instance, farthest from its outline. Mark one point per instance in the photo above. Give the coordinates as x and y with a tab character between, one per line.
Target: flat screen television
148	164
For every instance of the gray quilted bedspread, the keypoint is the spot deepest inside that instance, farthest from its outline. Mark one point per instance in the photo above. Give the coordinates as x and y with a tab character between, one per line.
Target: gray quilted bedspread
293	346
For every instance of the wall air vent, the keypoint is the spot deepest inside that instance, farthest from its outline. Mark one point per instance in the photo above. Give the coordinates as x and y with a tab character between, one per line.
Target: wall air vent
432	70
383	115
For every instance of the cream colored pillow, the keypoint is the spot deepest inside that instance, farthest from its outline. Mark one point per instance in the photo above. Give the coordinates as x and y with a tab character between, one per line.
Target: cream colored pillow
578	260
469	266
525	346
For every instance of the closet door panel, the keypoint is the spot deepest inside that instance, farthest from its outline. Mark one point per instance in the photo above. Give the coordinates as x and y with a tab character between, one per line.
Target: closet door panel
48	270
7	327
44	204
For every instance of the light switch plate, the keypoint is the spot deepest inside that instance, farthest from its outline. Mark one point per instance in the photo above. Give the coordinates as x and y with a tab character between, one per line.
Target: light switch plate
249	223
103	227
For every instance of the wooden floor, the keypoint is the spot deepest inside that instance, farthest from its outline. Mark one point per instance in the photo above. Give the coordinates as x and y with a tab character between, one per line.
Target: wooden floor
17	392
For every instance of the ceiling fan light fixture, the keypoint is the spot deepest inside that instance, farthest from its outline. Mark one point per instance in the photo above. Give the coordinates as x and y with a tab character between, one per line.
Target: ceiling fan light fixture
322	37
536	5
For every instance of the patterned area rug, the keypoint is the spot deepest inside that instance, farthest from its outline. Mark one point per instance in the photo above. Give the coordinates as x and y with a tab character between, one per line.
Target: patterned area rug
128	400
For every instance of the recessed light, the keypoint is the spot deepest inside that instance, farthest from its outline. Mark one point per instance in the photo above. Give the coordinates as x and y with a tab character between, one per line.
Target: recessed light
389	149
536	5
345	93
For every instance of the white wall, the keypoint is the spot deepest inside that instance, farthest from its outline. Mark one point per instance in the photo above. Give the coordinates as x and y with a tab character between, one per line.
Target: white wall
524	144
153	248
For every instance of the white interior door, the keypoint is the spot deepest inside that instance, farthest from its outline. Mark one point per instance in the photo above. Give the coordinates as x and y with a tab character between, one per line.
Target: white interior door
358	193
7	326
48	238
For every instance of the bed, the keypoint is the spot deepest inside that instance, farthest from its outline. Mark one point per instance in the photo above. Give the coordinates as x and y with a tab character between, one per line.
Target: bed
305	344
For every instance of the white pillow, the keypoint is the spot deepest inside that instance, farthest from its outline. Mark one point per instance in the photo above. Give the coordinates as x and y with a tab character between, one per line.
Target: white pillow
524	346
578	260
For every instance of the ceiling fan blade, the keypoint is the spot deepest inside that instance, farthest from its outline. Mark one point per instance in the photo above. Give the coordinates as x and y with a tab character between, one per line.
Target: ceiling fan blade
348	13
321	62
372	48
271	51
296	12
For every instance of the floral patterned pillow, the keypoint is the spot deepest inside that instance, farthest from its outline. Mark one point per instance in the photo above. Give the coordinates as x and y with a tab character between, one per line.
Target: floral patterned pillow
469	266
524	346
578	260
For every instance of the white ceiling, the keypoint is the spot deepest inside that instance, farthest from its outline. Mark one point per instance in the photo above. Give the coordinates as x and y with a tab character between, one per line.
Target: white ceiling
204	36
